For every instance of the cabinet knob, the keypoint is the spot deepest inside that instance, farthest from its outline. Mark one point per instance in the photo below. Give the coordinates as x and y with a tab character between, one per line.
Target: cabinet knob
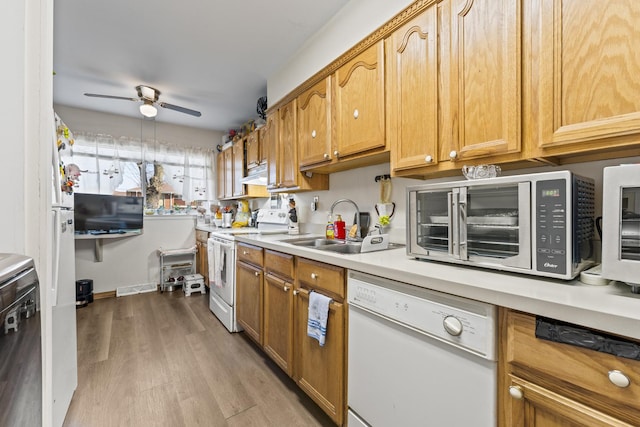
453	154
314	276
313	133
356	113
256	273
295	293
244	252
428	159
326	156
516	392
335	153
285	288
619	379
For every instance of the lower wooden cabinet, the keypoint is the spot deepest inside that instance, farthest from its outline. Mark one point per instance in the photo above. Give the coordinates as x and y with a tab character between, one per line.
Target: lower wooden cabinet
278	321
249	299
320	371
202	257
273	304
550	384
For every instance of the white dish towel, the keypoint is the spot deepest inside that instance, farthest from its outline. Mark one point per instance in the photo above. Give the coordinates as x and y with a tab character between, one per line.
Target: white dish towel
218	265
318	315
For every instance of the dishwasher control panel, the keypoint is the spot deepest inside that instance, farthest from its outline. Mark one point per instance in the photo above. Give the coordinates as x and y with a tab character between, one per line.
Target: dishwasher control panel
467	324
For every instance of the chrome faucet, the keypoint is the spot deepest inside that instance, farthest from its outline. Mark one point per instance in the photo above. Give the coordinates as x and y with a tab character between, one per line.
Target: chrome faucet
358	237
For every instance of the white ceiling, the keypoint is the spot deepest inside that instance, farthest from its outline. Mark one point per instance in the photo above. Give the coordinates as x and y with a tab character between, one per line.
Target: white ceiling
213	56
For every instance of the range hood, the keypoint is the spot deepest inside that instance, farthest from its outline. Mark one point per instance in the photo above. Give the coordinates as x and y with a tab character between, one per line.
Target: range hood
256	176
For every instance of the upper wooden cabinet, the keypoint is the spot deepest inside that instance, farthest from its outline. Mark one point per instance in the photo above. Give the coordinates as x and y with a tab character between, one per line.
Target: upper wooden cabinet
358	87
412	92
221	175
238	168
583	82
453	88
283	171
481	111
253	149
314	125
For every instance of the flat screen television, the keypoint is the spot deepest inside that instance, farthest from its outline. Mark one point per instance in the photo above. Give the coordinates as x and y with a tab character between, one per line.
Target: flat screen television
103	214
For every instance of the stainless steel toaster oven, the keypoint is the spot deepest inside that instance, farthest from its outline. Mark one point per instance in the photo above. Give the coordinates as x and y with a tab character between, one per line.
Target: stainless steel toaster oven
540	224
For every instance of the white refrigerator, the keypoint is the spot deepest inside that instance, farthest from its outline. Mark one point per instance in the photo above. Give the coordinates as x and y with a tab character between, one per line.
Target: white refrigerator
64	358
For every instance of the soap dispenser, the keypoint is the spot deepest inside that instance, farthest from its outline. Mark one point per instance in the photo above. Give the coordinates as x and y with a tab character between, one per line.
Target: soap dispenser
329	231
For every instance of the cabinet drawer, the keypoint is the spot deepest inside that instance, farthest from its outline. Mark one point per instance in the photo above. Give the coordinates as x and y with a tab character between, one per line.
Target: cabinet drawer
279	264
202	236
575	372
322	277
250	254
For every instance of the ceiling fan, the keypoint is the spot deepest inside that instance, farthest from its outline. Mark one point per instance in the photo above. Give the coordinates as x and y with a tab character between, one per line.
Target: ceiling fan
149	97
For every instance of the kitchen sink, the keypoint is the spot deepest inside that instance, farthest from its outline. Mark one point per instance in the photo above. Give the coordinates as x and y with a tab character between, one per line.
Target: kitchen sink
333	245
313	242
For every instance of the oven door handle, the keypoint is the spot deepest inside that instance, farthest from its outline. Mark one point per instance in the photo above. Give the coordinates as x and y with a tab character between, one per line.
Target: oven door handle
452	218
462	223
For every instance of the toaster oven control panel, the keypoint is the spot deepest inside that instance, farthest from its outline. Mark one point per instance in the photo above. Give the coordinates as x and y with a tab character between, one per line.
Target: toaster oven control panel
551	226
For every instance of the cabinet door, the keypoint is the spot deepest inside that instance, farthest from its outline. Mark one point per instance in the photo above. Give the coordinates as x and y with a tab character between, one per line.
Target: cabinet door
533	406
485	95
238	168
228	168
320	371
249	300
262	146
253	150
287	147
221	175
202	261
584	74
359	103
269	144
412	90
314	124
278	321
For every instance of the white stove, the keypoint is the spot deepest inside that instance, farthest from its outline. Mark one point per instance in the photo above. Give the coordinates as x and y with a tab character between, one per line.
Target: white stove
221	249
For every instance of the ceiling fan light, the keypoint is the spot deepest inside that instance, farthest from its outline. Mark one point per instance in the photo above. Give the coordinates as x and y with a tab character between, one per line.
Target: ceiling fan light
148	110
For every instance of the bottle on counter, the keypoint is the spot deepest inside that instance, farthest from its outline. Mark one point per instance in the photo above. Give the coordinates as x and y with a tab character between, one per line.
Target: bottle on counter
330	232
339	228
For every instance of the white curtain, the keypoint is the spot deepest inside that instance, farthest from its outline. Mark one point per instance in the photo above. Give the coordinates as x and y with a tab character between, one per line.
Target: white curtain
109	165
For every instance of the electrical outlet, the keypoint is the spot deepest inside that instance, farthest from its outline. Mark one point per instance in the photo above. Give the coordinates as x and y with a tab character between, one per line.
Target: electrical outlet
314	204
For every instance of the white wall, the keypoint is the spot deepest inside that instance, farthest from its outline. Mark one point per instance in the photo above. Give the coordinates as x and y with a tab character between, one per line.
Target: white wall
81	120
133	260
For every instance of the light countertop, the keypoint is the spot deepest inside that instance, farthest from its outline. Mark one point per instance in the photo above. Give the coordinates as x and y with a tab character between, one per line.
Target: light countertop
612	308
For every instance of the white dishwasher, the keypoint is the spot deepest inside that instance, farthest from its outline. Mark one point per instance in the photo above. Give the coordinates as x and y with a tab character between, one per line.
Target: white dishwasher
419	357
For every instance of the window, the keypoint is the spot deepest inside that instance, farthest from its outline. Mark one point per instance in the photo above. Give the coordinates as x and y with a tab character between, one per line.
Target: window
172	178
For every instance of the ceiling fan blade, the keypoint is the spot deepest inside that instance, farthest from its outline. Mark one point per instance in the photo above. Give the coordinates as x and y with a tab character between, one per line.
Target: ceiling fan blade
180	109
95	95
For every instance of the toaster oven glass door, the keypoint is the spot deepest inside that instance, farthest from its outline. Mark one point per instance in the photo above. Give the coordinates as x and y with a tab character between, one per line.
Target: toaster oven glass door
484	224
630	224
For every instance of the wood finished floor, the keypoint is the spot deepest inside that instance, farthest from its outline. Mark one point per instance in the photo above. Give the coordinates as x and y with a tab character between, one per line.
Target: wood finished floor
165	360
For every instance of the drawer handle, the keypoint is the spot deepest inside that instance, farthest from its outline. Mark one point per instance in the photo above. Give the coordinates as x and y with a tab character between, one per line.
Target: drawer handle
314	276
256	273
619	379
516	392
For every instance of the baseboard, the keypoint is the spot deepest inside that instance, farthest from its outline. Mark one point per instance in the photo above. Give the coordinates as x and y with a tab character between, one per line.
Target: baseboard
104	295
136	289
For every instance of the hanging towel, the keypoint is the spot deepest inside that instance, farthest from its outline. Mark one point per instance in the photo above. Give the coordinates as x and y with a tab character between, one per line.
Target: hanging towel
318	315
